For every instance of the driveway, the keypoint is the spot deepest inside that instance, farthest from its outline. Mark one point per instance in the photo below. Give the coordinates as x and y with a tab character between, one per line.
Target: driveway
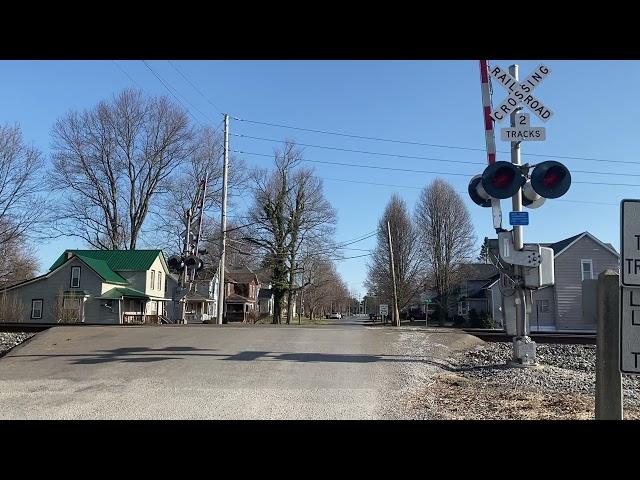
341	371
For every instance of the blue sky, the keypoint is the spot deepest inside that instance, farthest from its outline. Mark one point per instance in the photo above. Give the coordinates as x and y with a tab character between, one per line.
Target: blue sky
435	102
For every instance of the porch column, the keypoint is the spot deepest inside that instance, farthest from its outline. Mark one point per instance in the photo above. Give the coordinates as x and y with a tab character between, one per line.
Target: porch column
84	299
143	310
120	318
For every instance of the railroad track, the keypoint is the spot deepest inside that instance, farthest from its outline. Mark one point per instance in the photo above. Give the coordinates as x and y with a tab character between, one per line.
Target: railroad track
487	335
539	337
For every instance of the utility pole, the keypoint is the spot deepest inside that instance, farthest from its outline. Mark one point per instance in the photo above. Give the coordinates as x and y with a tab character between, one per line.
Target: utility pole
396	314
524	349
223	221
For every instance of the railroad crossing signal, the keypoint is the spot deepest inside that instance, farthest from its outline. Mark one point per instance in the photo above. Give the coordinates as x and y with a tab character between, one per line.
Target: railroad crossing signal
521	93
502	180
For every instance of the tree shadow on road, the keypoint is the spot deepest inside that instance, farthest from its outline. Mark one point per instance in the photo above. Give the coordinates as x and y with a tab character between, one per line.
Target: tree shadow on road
147	355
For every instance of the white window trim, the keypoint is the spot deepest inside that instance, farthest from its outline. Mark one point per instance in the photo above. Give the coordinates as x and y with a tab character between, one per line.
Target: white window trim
159	280
582	262
153	279
33	302
79	273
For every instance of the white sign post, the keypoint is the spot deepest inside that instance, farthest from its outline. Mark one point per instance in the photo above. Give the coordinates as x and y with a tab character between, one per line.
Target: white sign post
384	310
630	286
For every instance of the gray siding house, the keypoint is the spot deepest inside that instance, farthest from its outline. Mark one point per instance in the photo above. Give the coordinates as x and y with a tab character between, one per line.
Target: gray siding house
93	286
570	304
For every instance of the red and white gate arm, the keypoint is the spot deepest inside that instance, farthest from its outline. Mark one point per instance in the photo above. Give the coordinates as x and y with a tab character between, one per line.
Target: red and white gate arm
489	133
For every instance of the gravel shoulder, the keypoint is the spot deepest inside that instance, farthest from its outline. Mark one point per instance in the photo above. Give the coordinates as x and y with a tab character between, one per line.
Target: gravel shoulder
9	340
475	383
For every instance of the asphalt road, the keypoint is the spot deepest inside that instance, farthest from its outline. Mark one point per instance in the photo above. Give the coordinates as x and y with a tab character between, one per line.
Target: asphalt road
342	371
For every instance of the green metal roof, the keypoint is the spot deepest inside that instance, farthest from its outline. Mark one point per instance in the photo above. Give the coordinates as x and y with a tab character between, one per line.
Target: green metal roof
102	269
123	292
116	260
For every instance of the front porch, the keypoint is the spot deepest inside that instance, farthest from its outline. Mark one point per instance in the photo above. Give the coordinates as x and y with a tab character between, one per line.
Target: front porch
136	308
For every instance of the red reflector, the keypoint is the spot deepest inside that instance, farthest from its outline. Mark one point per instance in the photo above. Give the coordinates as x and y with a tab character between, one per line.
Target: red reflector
502	178
552	177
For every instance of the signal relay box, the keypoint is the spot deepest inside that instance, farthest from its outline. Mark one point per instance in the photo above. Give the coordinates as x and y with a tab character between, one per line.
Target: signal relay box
543	275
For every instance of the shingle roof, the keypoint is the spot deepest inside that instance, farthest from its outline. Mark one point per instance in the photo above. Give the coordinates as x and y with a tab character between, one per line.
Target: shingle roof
562	244
242	275
478	271
117	260
265	293
235	298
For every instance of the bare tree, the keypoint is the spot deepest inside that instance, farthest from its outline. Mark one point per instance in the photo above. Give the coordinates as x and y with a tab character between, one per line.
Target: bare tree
17	262
447	236
289	212
112	161
408	263
320	277
182	187
11	307
23	208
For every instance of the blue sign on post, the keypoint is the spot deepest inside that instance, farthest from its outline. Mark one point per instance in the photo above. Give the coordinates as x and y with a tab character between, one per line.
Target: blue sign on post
518	218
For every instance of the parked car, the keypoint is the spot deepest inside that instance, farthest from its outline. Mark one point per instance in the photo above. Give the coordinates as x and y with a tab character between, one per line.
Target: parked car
335	315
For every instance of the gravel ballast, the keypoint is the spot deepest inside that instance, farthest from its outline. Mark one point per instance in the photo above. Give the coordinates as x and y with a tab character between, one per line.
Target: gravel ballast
476	383
8	340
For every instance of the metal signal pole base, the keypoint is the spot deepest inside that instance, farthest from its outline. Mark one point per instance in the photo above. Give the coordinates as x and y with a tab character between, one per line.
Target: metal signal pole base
524	353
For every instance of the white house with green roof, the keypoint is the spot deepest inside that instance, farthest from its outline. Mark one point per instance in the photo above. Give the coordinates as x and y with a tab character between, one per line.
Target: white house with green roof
97	286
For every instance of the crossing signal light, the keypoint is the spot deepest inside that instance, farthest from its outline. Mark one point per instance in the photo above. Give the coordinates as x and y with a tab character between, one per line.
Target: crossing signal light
193	263
530	198
175	263
477	193
502	180
550	179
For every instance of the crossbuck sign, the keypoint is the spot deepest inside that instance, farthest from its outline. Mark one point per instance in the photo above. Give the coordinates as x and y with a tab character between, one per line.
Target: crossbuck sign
521	93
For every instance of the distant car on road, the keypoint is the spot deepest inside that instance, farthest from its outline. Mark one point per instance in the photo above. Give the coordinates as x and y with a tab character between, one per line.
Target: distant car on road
335	315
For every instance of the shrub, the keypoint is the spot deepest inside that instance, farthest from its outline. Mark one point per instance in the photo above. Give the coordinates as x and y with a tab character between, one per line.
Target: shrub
487	321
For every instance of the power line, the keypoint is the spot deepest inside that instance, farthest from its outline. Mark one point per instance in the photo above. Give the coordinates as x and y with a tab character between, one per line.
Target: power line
125	72
361	151
347	258
174	95
452	147
196	88
441	173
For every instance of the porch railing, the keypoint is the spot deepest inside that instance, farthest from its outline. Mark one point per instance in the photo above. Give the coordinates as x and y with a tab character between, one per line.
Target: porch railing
139	319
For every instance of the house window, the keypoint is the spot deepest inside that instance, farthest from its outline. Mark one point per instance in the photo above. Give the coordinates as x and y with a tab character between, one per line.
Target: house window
543	306
160	281
153	278
75	277
36	308
587	269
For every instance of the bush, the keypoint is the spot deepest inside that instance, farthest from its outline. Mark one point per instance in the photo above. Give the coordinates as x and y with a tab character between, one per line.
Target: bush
487	321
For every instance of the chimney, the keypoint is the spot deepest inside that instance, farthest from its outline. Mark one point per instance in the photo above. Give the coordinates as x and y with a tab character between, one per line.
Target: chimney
68	254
